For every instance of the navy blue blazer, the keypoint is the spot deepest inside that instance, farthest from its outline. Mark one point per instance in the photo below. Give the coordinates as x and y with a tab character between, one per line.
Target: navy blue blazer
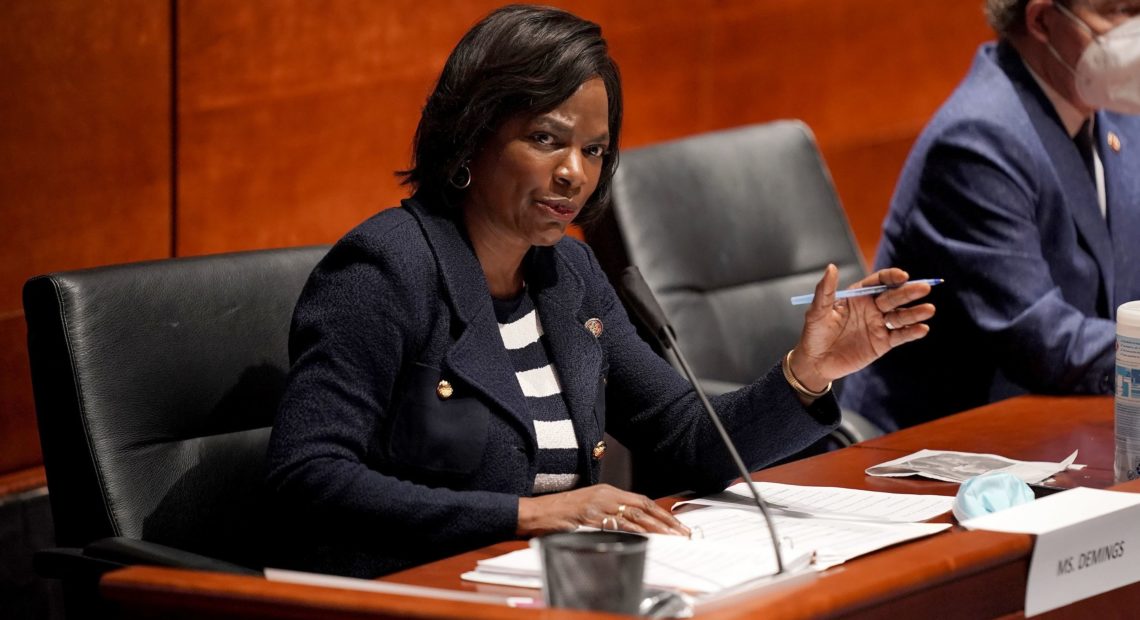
383	473
995	198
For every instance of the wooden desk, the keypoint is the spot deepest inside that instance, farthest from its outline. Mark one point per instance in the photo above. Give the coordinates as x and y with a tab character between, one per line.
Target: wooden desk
956	574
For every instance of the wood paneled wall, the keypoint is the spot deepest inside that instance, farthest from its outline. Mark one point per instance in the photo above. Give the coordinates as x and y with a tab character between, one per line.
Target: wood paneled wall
133	129
85	111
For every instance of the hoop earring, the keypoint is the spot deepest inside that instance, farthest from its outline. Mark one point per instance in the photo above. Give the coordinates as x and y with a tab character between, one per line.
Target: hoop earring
462	177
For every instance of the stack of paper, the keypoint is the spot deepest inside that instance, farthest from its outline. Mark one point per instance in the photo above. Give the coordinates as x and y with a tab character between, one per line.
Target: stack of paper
731	546
832	502
692	565
832	541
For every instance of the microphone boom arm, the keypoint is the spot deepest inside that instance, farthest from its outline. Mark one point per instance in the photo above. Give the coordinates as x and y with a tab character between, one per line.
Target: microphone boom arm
645	305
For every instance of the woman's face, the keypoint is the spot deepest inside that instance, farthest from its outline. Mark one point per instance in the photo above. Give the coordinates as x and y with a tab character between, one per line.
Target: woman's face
534	174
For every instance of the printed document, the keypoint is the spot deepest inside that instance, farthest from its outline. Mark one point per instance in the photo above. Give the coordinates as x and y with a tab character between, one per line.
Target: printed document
674	562
950	466
831	502
731	546
832	541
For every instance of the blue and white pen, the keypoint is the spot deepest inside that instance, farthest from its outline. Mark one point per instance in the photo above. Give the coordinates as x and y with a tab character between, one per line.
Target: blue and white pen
800	300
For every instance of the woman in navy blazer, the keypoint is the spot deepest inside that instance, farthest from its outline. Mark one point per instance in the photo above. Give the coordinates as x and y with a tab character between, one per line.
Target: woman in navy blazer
418	422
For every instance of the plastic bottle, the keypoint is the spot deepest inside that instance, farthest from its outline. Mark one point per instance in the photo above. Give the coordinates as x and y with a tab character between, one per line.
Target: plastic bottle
1127	400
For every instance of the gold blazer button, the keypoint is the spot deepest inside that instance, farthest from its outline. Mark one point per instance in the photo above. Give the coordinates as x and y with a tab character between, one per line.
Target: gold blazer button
1114	142
599	450
444	389
595	327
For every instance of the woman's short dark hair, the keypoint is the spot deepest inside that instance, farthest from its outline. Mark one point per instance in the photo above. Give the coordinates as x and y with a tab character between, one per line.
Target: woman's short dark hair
517	60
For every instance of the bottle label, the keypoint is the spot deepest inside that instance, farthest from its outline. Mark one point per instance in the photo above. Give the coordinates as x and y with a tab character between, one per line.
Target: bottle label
1127	405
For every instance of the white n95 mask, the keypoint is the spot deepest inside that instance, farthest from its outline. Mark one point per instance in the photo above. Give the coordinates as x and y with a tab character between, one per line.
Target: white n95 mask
1108	72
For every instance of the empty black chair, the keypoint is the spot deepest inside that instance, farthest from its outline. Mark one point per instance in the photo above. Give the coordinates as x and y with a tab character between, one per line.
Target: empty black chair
726	227
155	385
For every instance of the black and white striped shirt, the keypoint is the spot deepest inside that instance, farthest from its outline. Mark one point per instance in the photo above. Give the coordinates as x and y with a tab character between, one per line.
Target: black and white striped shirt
526	345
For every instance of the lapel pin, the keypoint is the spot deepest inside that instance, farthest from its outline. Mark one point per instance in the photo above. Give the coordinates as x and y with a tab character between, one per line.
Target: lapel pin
444	389
1114	142
595	327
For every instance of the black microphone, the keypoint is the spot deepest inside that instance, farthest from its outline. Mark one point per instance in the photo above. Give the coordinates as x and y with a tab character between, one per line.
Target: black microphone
643	303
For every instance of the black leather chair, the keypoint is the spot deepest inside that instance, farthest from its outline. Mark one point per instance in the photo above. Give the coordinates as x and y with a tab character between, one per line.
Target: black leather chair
156	385
726	227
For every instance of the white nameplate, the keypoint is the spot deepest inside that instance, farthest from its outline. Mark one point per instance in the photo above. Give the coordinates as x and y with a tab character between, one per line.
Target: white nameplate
1088	542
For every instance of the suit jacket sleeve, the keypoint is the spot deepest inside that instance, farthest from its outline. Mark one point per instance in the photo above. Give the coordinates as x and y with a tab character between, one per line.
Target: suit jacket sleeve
654	410
977	216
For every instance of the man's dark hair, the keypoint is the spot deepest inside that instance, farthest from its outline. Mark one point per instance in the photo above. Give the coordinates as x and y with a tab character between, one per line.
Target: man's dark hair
1007	17
517	60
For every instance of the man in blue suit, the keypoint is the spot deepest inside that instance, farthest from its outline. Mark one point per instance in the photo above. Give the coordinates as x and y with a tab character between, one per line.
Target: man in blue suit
1023	193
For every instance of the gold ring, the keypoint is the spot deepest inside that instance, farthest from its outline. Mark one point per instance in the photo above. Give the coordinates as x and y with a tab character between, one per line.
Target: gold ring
887	324
621	511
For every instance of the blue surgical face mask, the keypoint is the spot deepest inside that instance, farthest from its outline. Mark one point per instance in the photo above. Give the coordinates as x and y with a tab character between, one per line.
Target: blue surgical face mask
989	493
1107	74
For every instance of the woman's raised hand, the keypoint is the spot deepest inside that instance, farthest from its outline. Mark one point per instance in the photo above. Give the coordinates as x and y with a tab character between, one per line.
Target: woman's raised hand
601	506
842	336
